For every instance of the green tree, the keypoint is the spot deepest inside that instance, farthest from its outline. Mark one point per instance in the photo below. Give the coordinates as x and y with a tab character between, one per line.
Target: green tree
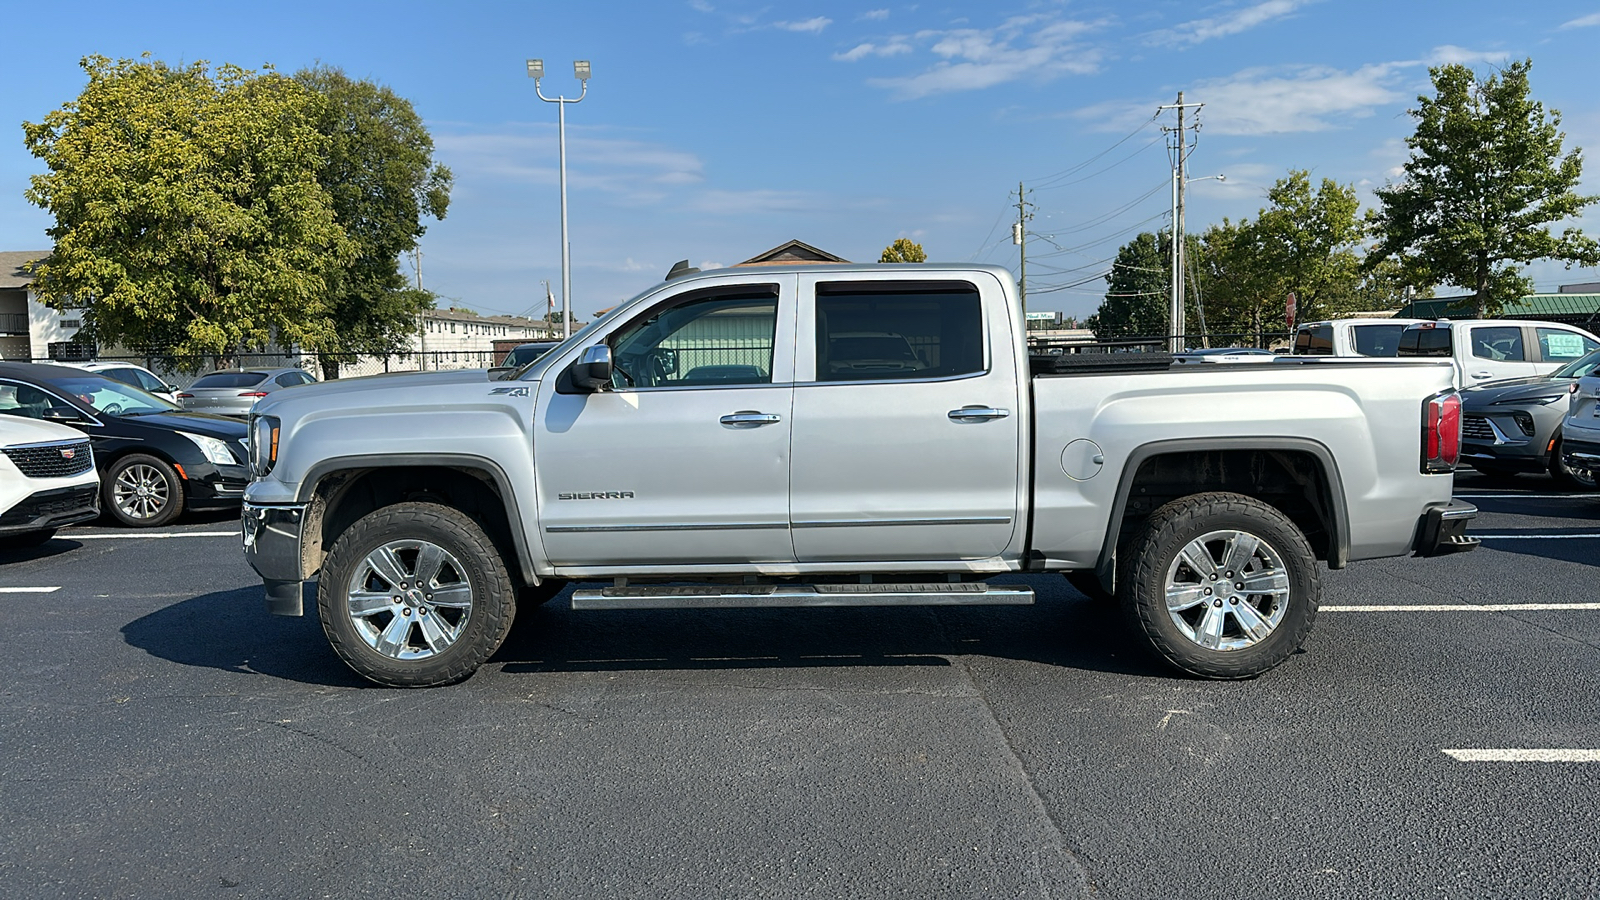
1137	291
1485	180
379	171
188	217
903	250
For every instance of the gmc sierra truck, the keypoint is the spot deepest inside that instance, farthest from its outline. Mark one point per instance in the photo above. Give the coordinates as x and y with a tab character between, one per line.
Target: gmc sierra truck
730	439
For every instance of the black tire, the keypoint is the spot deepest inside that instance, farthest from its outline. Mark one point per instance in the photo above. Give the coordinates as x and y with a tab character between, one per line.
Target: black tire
1087	583
1567	478
136	471
1281	564
26	539
395	643
531	595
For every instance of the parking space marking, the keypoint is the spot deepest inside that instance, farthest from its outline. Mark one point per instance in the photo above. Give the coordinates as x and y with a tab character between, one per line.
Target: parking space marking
1460	607
1529	496
105	536
1535	537
29	590
1531	754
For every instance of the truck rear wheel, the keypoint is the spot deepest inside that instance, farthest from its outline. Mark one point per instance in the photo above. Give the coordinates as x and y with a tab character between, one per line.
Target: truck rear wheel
1221	586
415	595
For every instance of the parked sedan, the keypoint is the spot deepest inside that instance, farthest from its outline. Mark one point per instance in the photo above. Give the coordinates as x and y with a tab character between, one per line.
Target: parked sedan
155	460
1514	425
231	392
47	480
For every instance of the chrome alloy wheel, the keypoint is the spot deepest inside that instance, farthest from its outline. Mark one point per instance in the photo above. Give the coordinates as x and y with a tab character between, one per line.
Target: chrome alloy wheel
409	599
1227	590
141	491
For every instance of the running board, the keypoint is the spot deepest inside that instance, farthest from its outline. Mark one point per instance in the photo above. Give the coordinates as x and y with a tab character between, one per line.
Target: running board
707	596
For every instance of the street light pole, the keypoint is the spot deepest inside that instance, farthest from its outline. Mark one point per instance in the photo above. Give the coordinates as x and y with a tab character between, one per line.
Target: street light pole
580	69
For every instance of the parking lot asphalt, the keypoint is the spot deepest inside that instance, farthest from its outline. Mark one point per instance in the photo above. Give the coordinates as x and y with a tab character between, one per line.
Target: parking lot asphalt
160	735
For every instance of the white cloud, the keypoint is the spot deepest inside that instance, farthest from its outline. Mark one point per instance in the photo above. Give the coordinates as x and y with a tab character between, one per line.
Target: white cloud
874	15
1198	30
739	203
640	171
1588	21
701	6
1272	101
808	26
1447	54
1037	47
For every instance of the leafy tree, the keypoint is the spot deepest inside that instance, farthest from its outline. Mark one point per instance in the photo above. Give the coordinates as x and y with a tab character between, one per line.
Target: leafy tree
1485	179
1137	291
903	250
188	214
379	172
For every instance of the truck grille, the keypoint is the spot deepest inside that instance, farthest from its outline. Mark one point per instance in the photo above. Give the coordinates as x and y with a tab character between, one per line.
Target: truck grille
1476	428
52	460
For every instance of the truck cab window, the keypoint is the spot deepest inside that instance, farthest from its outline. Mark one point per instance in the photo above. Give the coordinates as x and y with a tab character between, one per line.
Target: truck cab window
705	341
869	333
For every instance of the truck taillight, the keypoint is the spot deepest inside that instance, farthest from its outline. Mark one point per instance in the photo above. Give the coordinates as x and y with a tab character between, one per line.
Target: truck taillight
1441	433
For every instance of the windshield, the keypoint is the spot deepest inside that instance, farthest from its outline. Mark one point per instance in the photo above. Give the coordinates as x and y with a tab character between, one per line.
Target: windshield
1579	367
113	398
578	336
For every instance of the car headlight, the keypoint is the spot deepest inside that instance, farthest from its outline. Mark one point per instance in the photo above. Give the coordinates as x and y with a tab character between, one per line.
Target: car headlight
263	444
214	450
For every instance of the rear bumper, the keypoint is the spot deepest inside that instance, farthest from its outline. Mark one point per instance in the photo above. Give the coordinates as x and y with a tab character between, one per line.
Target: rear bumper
272	546
1442	530
56	508
1582	455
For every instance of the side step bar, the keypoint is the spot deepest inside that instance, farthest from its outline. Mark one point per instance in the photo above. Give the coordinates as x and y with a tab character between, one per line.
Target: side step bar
708	596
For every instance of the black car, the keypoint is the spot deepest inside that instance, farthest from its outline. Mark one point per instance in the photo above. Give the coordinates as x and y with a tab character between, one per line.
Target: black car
522	354
155	459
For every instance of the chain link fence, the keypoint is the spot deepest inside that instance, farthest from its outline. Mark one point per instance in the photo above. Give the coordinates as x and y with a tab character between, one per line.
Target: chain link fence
184	371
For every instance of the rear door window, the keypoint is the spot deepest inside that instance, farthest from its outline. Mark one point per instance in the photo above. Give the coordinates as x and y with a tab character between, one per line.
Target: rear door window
868	332
1498	342
1560	345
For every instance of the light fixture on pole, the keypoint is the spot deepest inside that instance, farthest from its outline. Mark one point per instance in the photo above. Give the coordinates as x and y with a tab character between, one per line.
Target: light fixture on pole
580	70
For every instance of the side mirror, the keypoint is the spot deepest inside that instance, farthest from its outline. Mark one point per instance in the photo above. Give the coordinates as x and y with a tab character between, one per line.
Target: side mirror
66	415
501	373
592	371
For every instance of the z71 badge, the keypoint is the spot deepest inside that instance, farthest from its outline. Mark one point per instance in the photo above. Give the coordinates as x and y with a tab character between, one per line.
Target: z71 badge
597	495
510	391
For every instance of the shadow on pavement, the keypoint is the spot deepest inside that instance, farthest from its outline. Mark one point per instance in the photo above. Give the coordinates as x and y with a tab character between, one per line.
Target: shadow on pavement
229	630
53	547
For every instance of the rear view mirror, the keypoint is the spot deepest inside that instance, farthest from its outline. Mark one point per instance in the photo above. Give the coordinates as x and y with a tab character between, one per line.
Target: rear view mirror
501	373
592	371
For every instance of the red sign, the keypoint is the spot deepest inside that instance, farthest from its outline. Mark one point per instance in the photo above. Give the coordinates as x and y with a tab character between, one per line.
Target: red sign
1288	310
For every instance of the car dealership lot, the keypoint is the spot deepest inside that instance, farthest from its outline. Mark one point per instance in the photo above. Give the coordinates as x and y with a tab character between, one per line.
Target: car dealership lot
163	736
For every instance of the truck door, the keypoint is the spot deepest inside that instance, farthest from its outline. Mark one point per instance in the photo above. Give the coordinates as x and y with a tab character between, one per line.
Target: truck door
686	458
1495	352
908	420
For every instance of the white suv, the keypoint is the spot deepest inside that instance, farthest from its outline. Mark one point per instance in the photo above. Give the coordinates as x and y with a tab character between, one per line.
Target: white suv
47	480
1580	432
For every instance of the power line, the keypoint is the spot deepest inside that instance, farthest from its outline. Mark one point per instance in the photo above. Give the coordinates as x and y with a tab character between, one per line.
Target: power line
1100	172
1047	179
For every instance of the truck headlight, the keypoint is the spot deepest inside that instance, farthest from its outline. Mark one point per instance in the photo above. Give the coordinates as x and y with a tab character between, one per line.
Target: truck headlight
263	444
214	450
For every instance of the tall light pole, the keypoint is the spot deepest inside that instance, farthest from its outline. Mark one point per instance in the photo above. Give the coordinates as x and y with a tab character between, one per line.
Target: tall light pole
580	69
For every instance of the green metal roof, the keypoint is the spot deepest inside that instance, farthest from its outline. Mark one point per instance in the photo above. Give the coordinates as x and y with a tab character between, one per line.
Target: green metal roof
1532	306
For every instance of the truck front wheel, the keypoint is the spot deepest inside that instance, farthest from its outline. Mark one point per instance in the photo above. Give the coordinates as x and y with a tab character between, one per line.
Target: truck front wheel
1221	585
415	595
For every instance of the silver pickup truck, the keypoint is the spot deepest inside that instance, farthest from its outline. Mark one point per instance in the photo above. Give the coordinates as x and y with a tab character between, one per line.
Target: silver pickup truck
731	438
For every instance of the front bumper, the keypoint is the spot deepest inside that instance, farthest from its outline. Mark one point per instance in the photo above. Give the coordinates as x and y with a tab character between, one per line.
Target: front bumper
1442	530
273	538
55	508
215	487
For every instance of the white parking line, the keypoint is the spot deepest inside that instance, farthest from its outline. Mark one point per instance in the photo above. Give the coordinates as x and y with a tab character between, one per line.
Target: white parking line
104	536
1529	496
29	590
1535	537
1524	755
1460	607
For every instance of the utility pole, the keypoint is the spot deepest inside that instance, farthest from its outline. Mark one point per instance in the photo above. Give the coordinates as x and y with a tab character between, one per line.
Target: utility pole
1019	233
1175	312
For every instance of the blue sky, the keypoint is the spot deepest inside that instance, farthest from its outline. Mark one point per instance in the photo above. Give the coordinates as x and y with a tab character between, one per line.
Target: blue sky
716	129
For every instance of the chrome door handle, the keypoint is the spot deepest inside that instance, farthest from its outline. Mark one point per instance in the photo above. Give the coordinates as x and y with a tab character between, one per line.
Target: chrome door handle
973	413
750	417
1481	374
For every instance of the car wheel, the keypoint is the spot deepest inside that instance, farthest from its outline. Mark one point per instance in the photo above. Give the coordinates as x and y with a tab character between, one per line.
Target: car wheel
26	539
1221	585
1088	584
1567	477
415	595
142	491
532	595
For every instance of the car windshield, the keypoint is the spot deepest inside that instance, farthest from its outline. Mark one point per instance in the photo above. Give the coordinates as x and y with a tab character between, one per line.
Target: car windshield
230	380
113	398
1579	367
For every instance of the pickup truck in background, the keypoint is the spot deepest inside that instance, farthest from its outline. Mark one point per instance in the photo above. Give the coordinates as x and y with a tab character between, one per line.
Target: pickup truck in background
739	438
1485	350
1351	337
